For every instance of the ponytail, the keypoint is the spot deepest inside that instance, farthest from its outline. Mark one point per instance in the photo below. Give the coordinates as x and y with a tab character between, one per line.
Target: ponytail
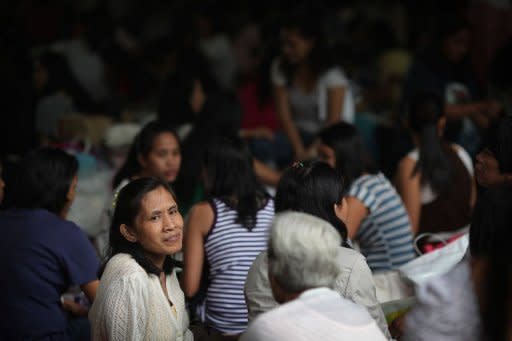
425	111
433	164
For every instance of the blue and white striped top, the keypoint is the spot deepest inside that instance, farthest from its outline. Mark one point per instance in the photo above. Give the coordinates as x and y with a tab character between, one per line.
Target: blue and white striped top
385	235
230	251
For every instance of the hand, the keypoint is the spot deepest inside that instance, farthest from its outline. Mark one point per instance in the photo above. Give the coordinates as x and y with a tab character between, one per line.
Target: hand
74	308
488	172
396	328
493	109
264	133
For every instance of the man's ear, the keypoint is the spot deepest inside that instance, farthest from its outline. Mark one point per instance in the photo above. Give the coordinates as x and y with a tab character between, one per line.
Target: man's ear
70	196
128	233
141	160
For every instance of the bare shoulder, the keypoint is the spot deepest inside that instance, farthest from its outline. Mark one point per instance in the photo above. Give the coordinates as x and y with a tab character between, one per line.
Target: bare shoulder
201	217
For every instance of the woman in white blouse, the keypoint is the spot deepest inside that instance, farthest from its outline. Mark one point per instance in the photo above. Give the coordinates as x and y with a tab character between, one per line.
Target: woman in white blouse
139	297
310	91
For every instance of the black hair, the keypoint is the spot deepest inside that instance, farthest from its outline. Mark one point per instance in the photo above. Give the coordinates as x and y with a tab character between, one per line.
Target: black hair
42	179
489	239
500	143
308	20
229	175
60	77
312	187
127	205
174	102
352	157
449	24
141	146
424	112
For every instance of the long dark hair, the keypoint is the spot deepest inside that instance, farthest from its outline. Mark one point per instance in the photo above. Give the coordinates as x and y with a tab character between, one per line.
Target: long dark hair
312	187
142	145
500	143
352	157
127	206
489	239
308	20
42	179
424	112
229	176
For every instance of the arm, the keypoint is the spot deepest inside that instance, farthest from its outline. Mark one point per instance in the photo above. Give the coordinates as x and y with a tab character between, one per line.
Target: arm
474	111
260	132
198	224
266	174
409	188
335	100
357	211
285	118
90	289
488	171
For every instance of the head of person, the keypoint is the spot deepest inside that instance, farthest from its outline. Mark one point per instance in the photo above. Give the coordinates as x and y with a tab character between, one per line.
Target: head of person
147	224
228	174
489	243
454	35
303	39
426	121
2	185
343	148
45	178
302	252
500	143
155	152
315	188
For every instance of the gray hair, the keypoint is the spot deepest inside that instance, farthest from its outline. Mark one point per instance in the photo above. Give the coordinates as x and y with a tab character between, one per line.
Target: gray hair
302	252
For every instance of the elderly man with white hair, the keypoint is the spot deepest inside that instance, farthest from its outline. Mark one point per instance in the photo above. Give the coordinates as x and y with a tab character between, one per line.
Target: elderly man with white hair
302	258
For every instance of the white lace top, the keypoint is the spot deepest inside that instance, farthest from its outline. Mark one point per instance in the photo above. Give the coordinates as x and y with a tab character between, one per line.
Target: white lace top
131	305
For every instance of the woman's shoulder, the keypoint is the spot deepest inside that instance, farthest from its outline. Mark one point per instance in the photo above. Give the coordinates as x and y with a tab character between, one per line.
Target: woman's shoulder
463	156
123	265
350	258
334	76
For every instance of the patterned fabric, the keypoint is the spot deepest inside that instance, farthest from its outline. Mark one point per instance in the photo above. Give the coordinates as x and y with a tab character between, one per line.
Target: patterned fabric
385	235
230	250
317	314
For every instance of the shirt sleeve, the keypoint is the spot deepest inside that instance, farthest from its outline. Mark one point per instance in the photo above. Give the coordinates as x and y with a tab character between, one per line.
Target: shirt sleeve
276	75
465	158
364	195
334	78
258	294
78	256
361	290
124	312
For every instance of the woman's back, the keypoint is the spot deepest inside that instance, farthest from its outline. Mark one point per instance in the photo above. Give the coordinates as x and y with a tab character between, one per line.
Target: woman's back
385	235
449	210
230	251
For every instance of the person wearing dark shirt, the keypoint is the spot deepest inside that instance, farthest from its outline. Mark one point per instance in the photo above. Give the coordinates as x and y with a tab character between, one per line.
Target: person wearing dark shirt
42	254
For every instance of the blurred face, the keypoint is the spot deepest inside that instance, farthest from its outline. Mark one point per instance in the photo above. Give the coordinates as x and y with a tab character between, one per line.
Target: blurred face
40	76
326	154
164	159
2	186
158	226
295	48
456	46
197	98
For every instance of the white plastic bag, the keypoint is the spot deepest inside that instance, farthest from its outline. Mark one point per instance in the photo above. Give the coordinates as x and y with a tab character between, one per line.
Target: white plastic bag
437	262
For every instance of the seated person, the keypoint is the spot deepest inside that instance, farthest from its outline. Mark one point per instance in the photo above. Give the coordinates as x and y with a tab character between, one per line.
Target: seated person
302	267
317	189
42	254
139	297
377	218
435	180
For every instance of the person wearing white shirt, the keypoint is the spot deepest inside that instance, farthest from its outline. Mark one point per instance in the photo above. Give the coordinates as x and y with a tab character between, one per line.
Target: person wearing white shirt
302	267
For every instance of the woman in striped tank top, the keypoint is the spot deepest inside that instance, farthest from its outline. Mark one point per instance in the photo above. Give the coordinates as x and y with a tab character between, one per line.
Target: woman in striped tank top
227	231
